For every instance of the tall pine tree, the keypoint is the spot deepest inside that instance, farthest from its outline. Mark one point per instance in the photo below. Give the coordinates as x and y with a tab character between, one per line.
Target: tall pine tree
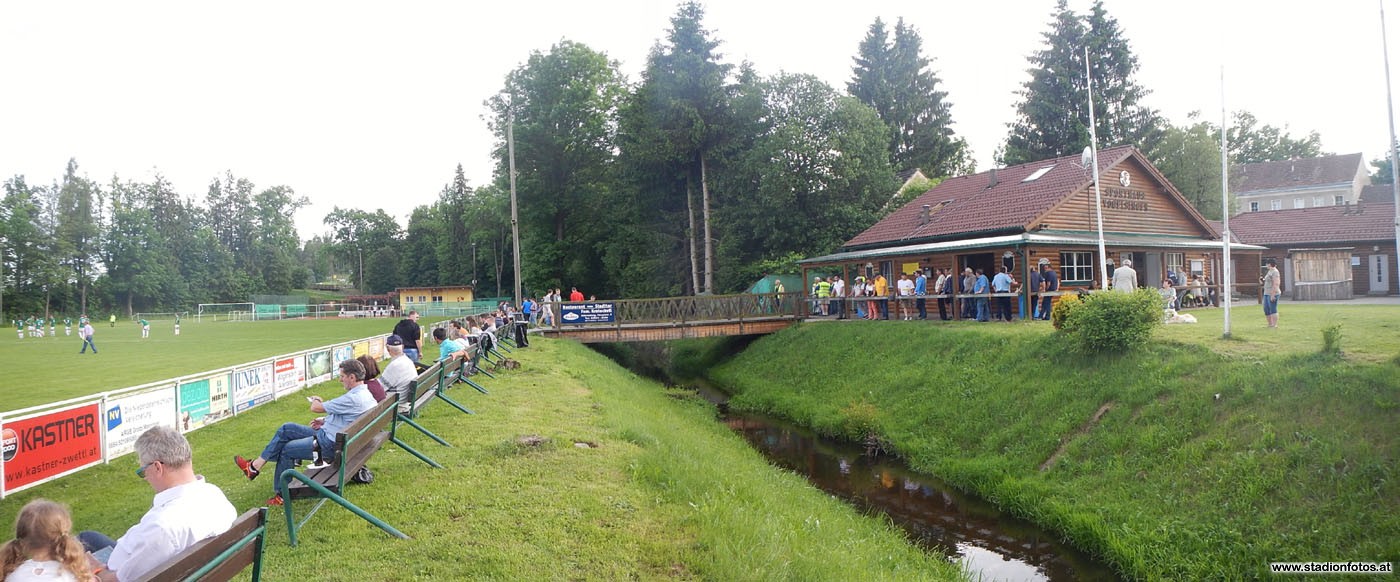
1052	119
896	80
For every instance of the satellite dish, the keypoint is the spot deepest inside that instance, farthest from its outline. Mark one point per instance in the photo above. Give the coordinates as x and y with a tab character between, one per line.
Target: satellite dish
1086	158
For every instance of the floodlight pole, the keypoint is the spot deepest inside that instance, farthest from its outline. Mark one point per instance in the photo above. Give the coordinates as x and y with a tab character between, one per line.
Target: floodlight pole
514	209
1227	278
1094	169
1390	109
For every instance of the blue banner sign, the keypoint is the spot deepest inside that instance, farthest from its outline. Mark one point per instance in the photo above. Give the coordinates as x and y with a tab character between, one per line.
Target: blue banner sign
587	313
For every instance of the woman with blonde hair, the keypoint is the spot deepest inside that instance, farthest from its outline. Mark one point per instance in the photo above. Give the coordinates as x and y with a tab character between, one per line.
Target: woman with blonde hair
44	548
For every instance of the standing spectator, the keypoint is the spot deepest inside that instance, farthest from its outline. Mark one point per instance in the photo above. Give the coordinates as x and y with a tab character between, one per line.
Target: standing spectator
938	290
920	290
86	333
1272	289
945	303
1032	290
575	295
1125	278
522	331
905	288
43	536
293	442
823	295
858	294
979	288
1002	283
872	308
882	294
838	296
185	511
527	309
969	303
412	335
1049	281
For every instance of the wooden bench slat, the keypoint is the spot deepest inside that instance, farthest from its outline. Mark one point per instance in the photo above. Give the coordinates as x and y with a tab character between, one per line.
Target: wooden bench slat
357	444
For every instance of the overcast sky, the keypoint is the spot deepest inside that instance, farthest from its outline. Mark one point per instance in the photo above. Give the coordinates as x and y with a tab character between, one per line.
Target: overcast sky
372	105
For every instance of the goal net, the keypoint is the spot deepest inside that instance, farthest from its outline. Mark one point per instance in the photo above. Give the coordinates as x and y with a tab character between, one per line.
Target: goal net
215	311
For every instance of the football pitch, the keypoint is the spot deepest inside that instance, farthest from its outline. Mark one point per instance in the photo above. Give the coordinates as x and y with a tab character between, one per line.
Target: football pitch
50	369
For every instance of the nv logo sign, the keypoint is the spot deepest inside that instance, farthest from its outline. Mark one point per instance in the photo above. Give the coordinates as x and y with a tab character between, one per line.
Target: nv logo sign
114	417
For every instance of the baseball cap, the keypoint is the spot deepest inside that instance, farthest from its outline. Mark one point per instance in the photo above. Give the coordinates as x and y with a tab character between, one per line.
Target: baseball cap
394	340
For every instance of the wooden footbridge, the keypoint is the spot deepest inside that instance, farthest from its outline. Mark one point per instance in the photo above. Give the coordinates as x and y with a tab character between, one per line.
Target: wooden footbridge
671	318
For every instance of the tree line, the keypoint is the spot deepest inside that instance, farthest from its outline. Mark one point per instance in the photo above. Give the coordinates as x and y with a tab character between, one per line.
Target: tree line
699	177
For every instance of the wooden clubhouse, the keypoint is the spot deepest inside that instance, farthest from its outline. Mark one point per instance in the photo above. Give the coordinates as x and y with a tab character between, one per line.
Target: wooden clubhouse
1018	215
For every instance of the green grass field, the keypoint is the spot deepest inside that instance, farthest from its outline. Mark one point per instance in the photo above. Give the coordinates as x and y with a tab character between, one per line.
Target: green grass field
50	369
661	491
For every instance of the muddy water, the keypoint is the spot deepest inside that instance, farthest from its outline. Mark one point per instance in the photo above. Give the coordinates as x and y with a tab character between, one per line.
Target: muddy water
995	546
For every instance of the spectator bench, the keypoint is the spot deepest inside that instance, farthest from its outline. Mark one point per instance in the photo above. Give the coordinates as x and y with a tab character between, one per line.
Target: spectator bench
353	448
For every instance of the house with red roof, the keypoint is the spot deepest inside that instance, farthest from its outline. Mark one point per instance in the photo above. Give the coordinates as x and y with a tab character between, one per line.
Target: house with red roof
1363	234
1019	215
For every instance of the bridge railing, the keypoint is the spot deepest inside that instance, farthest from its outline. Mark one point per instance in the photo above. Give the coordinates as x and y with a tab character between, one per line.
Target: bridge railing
679	310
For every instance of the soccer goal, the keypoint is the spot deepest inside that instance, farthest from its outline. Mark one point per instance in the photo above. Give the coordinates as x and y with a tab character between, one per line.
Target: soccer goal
214	311
161	315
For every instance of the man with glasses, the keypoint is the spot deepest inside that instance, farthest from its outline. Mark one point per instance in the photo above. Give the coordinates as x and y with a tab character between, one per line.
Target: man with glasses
294	442
186	510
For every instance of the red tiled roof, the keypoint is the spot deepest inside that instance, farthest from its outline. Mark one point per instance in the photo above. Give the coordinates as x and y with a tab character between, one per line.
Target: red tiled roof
1289	174
972	207
1324	224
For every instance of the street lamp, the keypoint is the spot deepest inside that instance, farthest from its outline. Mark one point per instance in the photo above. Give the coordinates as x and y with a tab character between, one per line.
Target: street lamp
473	267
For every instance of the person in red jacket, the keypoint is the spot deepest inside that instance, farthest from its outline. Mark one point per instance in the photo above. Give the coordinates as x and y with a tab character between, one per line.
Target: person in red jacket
575	294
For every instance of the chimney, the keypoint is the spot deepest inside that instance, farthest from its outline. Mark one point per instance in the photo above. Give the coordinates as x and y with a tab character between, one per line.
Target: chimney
992	180
923	215
1346	208
1360	206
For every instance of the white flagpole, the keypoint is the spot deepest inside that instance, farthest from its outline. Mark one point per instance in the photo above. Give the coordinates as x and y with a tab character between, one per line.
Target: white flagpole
1227	278
1094	149
1390	108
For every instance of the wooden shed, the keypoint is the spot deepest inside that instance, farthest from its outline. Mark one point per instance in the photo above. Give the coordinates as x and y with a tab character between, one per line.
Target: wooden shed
1321	274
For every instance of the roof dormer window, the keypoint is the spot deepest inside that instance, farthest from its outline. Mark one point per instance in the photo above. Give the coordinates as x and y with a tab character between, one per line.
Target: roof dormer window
1037	174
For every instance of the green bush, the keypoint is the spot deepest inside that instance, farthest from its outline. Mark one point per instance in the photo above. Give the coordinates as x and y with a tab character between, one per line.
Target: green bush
1063	306
1114	322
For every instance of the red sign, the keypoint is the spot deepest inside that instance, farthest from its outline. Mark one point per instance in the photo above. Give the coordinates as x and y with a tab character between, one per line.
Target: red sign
43	447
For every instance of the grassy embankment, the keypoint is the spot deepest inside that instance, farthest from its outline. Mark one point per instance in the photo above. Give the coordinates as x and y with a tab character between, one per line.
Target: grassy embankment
1196	458
664	492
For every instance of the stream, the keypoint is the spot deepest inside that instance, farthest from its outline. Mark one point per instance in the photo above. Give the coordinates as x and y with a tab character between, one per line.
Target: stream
935	516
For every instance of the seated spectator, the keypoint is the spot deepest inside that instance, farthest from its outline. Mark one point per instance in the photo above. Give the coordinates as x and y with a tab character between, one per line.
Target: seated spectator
186	510
44	547
372	377
447	348
399	372
293	442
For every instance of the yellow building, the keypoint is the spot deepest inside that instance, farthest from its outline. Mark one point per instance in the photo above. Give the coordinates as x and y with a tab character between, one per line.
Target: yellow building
428	300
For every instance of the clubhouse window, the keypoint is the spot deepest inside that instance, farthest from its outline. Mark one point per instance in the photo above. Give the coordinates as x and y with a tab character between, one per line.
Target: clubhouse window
1254	207
1076	267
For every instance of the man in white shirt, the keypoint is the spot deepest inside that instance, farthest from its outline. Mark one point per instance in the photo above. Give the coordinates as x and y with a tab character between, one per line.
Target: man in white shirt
906	290
186	510
1125	278
399	372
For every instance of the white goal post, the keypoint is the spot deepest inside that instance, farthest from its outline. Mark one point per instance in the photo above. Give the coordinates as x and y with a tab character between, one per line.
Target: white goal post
217	310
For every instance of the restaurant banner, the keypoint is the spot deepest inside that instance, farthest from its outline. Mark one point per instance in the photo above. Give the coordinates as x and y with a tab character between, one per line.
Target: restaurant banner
204	402
289	375
50	445
129	416
252	387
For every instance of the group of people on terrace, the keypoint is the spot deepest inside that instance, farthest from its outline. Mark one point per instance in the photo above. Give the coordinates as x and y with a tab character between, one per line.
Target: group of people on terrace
980	296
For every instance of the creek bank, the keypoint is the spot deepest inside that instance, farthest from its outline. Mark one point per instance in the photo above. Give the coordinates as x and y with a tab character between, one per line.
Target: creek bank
1174	462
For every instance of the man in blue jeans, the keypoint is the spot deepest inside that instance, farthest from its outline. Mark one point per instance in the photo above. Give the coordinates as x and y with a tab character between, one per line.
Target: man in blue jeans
293	442
979	288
